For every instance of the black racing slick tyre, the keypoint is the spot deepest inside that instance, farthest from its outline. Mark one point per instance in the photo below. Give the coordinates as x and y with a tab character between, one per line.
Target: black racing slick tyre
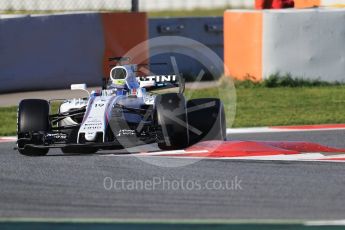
172	120
206	119
33	117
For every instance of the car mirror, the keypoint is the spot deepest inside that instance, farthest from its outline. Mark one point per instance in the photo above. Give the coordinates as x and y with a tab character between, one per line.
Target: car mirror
78	87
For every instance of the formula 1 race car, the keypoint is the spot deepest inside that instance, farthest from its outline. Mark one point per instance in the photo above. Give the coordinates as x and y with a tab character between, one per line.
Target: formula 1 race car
127	112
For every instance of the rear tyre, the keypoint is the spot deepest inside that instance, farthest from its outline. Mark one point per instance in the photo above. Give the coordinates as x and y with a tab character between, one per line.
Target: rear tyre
172	119
33	117
206	119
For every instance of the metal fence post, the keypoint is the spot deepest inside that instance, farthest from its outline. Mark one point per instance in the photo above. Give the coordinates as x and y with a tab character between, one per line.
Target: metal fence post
135	6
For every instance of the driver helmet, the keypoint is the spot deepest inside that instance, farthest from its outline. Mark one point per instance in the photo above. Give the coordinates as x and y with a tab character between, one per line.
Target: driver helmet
118	77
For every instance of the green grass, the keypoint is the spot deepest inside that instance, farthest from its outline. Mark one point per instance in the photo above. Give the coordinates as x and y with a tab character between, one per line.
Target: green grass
284	106
258	106
290	106
284	80
8	121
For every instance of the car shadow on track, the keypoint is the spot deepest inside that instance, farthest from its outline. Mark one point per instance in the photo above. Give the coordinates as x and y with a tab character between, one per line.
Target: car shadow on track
119	152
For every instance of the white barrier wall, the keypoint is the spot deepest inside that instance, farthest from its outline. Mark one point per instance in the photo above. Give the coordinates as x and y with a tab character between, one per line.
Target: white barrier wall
144	5
151	5
305	43
47	52
332	2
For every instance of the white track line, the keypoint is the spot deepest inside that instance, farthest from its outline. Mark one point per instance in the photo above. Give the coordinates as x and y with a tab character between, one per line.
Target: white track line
175	152
325	223
293	157
314	158
160	153
281	157
7	139
274	130
233	131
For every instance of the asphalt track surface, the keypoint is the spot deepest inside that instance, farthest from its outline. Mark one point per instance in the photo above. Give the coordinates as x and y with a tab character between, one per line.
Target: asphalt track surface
73	186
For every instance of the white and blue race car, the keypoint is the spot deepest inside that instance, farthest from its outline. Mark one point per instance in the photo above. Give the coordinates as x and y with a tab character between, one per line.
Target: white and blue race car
126	112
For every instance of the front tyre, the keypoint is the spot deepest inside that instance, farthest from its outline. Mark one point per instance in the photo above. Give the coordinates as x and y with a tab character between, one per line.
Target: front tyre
33	118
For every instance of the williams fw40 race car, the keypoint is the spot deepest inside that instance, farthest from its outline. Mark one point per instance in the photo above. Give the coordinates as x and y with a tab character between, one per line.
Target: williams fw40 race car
129	111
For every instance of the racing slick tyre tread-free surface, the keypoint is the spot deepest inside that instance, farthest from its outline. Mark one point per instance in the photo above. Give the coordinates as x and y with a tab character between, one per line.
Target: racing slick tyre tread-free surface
172	118
33	116
206	115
